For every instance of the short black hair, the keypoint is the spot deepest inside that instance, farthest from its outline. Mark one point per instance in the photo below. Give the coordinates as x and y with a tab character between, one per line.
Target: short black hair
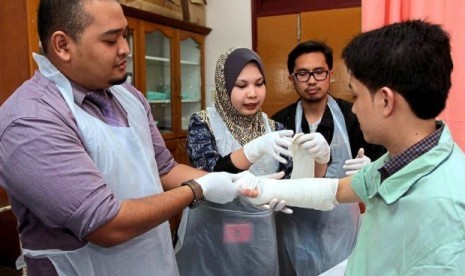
310	46
68	16
411	57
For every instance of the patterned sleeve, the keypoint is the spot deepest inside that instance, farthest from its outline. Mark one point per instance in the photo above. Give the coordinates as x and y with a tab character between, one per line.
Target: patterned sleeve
201	145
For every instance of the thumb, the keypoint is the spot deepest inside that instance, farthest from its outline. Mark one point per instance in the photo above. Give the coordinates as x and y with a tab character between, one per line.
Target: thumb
360	153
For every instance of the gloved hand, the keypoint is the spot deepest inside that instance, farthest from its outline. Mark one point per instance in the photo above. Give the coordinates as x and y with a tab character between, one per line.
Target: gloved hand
316	145
352	166
275	204
273	143
219	187
278	206
314	193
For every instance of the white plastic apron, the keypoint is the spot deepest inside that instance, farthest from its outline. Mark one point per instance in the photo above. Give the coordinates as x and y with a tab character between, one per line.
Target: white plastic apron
231	239
310	241
125	157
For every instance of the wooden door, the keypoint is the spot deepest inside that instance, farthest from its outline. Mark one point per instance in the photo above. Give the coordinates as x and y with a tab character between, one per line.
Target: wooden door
336	28
276	36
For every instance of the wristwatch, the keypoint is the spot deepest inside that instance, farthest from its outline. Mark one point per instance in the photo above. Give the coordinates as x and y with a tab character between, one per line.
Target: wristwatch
196	189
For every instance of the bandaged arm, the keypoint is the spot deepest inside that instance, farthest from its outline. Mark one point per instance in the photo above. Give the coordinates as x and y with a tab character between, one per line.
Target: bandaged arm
315	193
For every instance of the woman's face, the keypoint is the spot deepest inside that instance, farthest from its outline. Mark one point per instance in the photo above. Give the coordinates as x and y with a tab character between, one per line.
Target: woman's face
249	91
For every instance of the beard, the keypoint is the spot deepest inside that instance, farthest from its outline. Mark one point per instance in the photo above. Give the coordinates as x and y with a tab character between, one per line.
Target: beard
119	80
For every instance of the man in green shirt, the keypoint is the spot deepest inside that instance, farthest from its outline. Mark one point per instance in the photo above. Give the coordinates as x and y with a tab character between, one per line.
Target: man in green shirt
414	223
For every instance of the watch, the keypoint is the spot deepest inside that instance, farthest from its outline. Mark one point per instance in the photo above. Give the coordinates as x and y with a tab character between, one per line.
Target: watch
196	189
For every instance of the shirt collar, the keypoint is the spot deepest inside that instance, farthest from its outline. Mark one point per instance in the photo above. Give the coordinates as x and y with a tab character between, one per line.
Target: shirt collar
435	148
398	162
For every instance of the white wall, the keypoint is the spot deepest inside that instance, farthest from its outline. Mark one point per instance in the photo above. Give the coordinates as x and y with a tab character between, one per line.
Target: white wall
231	24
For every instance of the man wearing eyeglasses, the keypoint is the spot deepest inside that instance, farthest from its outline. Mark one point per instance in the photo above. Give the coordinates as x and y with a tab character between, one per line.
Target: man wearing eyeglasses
310	241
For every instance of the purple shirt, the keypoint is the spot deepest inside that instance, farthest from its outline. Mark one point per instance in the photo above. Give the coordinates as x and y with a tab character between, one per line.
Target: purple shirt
56	192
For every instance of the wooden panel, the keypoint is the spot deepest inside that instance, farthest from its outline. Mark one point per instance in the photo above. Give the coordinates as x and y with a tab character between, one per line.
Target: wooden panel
326	26
14	50
276	36
280	7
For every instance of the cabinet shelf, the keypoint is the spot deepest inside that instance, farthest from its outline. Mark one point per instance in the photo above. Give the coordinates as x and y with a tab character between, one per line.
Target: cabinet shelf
169	101
153	58
187	62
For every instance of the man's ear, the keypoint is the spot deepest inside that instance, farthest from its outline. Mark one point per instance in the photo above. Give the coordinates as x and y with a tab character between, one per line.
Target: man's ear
291	78
387	97
59	44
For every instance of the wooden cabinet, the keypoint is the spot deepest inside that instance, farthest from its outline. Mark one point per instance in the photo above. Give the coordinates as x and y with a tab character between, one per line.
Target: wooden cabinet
167	65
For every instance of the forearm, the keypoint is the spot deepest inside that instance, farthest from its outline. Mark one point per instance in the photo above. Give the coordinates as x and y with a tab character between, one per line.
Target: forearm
137	216
345	193
320	169
239	160
178	174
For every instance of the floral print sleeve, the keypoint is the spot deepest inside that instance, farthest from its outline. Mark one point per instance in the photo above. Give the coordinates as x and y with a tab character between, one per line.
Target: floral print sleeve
201	145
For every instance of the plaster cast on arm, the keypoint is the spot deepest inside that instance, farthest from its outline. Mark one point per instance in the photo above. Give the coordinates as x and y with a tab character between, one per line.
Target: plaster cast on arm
313	193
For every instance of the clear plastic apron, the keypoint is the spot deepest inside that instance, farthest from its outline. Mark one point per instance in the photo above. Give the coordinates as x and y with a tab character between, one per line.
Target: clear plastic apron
125	156
231	239
310	241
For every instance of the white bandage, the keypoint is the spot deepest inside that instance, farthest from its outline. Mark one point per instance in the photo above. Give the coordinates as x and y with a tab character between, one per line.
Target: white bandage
313	193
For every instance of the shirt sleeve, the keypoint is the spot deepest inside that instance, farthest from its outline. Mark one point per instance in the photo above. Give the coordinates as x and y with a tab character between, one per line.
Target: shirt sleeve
358	184
201	145
49	173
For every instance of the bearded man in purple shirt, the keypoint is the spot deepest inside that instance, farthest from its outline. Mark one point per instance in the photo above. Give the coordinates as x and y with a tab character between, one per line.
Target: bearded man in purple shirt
92	198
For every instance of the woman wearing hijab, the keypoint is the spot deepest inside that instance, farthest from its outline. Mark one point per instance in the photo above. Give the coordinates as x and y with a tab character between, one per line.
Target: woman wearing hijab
235	135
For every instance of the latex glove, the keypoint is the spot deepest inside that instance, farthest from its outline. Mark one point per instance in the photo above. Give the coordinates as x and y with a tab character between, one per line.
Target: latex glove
275	204
316	145
219	187
352	166
273	143
313	193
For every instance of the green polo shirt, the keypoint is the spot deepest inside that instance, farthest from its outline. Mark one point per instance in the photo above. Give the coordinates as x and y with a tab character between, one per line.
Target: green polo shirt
414	223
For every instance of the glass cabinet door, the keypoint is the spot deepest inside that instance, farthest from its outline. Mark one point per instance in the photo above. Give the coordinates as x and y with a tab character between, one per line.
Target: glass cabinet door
130	59
158	78
191	80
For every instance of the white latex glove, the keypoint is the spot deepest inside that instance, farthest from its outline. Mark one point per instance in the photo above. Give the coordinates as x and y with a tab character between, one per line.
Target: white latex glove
275	204
273	143
219	187
352	166
316	145
313	193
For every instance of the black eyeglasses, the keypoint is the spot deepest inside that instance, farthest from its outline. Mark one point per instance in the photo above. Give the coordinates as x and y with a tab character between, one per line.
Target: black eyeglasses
304	75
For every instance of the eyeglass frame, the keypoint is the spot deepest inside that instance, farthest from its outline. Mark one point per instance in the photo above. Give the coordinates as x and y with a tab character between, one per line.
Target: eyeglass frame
311	74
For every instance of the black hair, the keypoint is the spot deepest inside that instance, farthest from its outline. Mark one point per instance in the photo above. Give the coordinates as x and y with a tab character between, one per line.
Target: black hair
68	16
411	57
310	46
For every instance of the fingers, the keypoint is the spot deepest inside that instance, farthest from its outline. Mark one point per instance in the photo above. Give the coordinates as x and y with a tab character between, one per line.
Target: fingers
277	206
279	158
287	210
273	203
249	192
287	133
351	162
352	172
277	175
